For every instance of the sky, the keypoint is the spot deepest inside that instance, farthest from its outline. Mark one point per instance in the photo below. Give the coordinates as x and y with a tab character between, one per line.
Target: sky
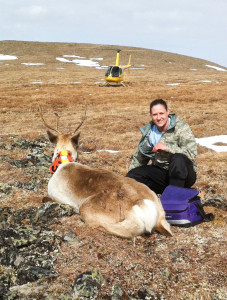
196	28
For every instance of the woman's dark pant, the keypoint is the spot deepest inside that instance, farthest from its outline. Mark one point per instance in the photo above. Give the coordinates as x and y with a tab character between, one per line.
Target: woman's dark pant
180	173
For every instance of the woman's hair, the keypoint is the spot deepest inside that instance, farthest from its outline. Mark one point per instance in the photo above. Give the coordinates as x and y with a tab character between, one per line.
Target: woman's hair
158	101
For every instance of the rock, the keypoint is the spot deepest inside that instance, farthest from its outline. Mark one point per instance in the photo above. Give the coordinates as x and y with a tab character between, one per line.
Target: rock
9	218
65	297
87	284
6	280
3	291
71	237
40	143
117	292
29	291
215	202
5	189
147	294
11	296
166	274
26	250
5	213
51	210
31	273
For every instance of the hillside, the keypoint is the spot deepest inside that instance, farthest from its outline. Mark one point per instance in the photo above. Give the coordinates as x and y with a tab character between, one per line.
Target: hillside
191	264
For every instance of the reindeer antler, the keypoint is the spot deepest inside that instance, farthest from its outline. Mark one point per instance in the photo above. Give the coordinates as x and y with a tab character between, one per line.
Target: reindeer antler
57	119
48	126
83	119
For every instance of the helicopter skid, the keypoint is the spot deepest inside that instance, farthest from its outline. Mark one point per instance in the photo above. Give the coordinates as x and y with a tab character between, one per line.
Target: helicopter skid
114	84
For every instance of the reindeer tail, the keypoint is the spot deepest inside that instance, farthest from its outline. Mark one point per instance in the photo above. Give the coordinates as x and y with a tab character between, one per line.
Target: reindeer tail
142	218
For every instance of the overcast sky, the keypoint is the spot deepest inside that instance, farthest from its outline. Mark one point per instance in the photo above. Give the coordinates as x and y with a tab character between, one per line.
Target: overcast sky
195	28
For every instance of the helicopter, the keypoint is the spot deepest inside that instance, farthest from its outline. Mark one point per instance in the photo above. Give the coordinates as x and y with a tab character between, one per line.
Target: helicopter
116	74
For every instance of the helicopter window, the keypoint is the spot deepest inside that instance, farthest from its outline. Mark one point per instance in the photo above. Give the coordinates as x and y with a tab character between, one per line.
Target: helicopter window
115	71
108	71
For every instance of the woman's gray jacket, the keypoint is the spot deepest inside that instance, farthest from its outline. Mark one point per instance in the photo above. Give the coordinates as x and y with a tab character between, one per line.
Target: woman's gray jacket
178	138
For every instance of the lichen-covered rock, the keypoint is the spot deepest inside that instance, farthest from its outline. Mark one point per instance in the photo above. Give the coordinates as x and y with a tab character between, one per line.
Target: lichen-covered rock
26	250
36	157
7	279
147	294
5	212
87	284
11	296
35	164
215	202
51	210
9	218
166	273
71	237
28	273
117	292
17	237
5	189
65	297
41	142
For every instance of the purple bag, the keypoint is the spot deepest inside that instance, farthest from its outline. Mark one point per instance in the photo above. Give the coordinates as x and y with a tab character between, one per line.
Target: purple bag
183	207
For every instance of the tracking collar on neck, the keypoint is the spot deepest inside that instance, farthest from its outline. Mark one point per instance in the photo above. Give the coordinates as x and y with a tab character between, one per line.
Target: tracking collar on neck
62	157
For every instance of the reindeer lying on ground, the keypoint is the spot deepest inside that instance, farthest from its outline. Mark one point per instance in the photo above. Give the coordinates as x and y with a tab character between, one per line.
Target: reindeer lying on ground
105	200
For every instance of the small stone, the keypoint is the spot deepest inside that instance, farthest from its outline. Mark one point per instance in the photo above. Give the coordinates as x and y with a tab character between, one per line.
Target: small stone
71	237
65	297
117	292
166	274
147	294
215	202
87	284
19	259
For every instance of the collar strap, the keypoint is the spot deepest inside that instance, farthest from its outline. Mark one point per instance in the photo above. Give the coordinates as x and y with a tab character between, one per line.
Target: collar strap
61	158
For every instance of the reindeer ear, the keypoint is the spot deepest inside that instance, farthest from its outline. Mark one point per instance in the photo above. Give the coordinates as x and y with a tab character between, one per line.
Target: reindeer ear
53	138
75	140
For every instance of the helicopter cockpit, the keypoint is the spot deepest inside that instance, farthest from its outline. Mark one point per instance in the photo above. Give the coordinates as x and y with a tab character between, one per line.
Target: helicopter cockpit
113	71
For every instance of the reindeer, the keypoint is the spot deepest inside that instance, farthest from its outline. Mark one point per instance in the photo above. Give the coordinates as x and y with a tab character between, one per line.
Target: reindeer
105	200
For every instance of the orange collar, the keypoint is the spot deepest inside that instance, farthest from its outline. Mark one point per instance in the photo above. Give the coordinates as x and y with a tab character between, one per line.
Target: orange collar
62	157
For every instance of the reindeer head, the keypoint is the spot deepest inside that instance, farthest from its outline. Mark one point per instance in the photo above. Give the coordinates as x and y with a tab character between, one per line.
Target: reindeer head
69	142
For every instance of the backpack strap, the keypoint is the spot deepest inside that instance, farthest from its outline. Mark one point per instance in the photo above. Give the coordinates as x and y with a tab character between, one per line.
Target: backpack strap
206	217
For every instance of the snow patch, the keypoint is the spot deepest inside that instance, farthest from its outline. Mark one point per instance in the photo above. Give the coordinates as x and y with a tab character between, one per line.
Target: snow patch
86	63
216	68
102	150
7	57
209	142
205	81
137	68
81	61
98	58
74	56
33	64
110	151
173	84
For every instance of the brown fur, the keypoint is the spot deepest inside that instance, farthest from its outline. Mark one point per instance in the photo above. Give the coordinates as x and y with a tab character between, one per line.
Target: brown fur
104	199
